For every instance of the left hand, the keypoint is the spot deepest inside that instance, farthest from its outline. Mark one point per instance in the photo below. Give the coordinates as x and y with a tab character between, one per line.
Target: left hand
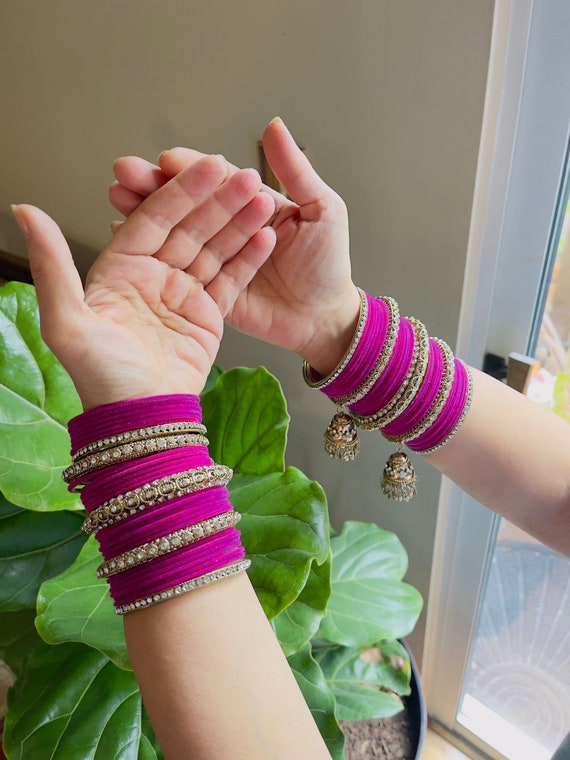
142	327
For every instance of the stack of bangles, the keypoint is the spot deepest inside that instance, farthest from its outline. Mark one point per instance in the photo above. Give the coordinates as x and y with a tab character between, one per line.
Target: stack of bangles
157	503
396	379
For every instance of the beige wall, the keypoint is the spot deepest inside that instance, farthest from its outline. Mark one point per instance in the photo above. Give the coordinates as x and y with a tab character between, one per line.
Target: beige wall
386	95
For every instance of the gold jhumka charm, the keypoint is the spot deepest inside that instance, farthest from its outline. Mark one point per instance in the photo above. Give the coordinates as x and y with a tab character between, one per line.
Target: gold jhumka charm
399	481
341	438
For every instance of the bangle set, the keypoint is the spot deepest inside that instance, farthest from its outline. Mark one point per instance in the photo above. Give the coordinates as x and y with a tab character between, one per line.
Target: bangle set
157	503
396	379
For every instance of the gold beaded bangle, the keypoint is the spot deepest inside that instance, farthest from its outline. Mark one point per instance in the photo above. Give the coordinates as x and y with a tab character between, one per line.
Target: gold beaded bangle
385	354
439	401
461	419
127	451
132	436
409	388
168	543
182	588
132	502
362	317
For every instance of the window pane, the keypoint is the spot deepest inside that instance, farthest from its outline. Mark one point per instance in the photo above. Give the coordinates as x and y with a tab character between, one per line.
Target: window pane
517	686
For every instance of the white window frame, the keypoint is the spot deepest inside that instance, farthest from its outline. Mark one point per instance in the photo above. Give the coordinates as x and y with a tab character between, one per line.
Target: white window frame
520	169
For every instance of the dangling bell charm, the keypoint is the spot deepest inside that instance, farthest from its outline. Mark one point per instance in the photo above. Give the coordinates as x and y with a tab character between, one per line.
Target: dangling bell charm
341	438
399	481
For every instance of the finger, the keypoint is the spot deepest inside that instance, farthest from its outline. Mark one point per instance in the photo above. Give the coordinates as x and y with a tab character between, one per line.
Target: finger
232	238
147	228
123	199
237	273
290	165
115	225
58	285
138	175
203	223
175	160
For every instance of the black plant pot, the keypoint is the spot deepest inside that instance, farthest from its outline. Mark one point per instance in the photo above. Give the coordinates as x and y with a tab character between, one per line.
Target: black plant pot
416	706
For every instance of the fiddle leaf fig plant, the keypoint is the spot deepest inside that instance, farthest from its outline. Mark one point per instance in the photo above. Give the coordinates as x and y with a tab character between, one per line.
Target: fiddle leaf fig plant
337	605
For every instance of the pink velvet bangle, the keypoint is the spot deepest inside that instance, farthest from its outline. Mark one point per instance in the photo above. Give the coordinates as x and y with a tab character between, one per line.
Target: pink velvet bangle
129	476
424	398
365	354
162	519
121	416
394	373
176	567
450	413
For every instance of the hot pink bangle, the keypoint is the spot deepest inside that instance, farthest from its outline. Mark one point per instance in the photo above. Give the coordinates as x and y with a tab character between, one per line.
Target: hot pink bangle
170	569
168	517
452	415
363	358
394	374
121	416
424	398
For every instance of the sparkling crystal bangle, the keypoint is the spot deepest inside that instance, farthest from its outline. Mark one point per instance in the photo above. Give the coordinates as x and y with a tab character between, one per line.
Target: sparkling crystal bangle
120	507
140	434
182	588
128	451
323	382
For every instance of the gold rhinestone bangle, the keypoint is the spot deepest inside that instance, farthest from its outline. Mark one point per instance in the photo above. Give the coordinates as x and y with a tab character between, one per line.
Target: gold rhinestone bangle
140	434
439	401
362	317
461	419
380	366
180	484
166	544
409	388
127	451
182	588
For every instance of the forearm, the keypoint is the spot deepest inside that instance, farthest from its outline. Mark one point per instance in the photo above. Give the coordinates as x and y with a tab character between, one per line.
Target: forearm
513	456
214	680
509	453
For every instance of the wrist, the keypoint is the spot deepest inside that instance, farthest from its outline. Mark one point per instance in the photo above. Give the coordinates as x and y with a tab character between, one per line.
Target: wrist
330	343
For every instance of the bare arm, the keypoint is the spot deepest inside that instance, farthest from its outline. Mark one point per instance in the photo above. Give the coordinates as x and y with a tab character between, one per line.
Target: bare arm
211	671
509	454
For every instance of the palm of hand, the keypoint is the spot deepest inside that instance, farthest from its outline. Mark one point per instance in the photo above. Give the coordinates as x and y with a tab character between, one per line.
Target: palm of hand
299	286
156	323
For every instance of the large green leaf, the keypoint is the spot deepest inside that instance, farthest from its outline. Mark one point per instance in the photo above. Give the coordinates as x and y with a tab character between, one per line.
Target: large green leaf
71	702
247	421
299	622
369	602
37	398
76	606
18	636
33	547
284	528
319	698
366	683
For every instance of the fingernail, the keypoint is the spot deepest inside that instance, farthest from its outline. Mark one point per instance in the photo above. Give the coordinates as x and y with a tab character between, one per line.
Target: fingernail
19	220
162	155
277	120
115	224
116	161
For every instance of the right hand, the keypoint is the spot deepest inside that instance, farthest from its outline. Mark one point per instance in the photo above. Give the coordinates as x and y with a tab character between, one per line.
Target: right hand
303	298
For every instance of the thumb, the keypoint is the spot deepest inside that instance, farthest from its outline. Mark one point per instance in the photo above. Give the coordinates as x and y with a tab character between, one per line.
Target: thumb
58	285
290	165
